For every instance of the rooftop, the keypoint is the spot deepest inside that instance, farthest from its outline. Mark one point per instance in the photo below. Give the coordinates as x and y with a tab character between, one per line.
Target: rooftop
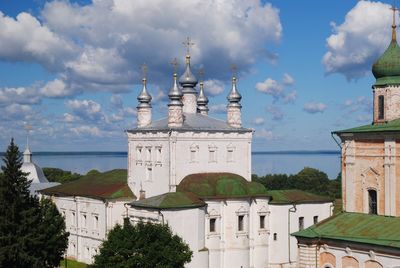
110	185
221	185
295	197
192	122
358	228
390	126
171	200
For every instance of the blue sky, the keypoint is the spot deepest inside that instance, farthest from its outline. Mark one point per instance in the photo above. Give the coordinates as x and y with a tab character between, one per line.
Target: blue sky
71	69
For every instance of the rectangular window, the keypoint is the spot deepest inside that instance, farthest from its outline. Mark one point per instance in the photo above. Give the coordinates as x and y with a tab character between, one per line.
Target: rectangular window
139	158
275	236
229	155
148	156
158	155
315	219
212	225
372	202
212	156
83	221
149	172
381	107
262	222
241	223
96	222
301	223
73	218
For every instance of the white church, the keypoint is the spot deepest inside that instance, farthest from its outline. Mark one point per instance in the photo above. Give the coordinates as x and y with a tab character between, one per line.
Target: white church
192	172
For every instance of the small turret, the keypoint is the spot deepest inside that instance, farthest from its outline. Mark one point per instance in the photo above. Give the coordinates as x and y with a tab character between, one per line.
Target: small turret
144	106
202	100
175	111
234	107
188	82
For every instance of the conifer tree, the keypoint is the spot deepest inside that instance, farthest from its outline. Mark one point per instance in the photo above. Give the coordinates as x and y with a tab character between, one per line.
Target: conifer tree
32	234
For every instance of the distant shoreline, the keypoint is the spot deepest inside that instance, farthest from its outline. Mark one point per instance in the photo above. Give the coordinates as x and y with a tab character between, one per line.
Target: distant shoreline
119	153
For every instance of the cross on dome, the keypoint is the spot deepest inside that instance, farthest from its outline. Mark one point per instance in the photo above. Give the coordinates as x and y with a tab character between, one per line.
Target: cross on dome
188	43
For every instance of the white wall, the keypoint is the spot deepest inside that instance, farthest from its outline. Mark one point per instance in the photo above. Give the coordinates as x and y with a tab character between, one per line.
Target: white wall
230	247
279	222
85	238
186	223
175	161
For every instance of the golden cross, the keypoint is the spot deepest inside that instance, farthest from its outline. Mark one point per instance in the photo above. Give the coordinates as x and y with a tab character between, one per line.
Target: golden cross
234	70
144	70
188	43
201	74
175	64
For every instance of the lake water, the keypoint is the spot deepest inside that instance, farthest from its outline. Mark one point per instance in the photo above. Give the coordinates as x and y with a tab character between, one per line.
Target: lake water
262	163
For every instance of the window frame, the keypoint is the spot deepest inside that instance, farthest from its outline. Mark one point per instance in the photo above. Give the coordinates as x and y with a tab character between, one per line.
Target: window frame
301	223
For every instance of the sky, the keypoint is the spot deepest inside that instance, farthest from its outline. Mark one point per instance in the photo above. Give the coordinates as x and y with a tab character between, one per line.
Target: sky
71	69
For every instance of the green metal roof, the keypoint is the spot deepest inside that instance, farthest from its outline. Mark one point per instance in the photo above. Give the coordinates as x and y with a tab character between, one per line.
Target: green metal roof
172	200
390	126
108	185
387	68
358	228
295	197
220	185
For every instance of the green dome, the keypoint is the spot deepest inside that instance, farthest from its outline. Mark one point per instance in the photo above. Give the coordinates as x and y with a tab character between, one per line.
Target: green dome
220	185
387	68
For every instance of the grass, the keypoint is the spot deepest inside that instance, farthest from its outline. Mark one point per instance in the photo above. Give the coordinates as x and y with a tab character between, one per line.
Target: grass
73	264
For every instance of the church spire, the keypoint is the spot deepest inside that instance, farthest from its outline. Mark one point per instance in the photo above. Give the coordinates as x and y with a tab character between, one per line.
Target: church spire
234	114
188	81
175	113
394	9
144	106
202	100
27	152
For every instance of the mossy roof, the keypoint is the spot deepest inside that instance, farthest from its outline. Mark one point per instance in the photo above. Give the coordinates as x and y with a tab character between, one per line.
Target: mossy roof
105	186
387	68
357	228
221	185
173	200
390	126
295	197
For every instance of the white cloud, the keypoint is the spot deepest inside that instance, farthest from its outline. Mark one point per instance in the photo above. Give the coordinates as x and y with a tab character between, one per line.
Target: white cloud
116	100
87	130
271	87
26	39
20	95
287	80
69	118
86	109
214	87
57	88
359	40
264	134
258	121
17	112
290	97
218	108
276	112
360	103
112	37
314	107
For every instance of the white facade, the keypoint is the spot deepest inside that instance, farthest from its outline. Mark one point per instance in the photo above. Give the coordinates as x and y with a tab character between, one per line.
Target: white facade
287	219
159	160
88	222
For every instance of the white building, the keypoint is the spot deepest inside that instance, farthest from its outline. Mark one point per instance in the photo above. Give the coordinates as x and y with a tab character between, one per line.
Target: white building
194	172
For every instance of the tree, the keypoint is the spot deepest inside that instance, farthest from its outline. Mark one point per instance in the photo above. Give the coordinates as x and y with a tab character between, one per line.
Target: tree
32	234
145	245
59	175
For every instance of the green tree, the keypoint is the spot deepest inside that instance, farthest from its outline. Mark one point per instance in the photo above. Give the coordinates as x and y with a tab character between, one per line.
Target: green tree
144	245
59	175
32	234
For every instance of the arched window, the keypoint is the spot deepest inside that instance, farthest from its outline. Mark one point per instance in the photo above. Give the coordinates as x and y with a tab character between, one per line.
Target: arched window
372	202
381	107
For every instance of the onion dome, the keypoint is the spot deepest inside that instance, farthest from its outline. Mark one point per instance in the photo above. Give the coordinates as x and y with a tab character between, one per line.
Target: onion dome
234	96
175	94
188	80
144	97
387	68
202	100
